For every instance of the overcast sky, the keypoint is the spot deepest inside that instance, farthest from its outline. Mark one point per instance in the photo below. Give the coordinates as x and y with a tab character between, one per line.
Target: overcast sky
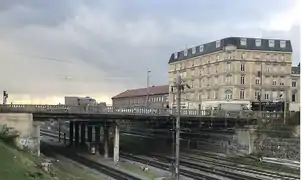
99	48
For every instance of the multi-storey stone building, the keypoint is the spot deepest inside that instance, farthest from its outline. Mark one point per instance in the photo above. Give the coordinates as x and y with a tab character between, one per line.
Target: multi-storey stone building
295	89
157	95
234	69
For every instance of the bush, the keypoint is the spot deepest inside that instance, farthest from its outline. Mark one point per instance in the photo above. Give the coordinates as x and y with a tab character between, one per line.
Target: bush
7	134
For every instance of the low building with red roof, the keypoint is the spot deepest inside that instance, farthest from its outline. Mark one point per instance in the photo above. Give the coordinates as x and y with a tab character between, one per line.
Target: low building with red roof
158	97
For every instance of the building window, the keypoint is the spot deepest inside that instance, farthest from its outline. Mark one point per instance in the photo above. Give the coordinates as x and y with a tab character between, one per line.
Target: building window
201	48
281	82
228	66
271	43
215	95
175	67
267	57
216	80
257	94
274	82
193	50
185	52
229	56
266	95
192	84
216	68
218	44
243	56
242	67
208	82
258	42
294	84
217	57
228	79
175	55
282	44
228	94
257	81
199	97
242	79
241	94
243	41
200	83
293	97
192	73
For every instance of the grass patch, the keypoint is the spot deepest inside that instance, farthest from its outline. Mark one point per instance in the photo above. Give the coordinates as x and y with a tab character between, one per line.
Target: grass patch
18	165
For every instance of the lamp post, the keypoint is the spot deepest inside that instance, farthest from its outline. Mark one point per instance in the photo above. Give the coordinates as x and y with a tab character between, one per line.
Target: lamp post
148	79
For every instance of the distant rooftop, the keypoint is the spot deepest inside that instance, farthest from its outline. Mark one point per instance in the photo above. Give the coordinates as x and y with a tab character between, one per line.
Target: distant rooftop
296	69
153	90
239	42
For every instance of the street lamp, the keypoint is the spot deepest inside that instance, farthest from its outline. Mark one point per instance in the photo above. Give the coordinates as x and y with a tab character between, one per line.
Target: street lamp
148	79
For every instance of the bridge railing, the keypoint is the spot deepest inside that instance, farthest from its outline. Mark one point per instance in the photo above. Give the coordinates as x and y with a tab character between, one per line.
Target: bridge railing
138	111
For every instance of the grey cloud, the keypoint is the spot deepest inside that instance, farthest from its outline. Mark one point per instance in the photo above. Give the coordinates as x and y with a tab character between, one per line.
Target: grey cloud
111	43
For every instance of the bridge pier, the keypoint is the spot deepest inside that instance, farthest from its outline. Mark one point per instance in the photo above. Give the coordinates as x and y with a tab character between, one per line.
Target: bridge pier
97	138
105	140
89	131
116	146
71	125
83	134
76	129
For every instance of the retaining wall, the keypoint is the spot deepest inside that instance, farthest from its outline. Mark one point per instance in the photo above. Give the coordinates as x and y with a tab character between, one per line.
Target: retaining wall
27	129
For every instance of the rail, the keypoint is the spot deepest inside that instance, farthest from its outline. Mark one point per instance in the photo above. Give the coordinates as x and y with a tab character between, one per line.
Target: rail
245	114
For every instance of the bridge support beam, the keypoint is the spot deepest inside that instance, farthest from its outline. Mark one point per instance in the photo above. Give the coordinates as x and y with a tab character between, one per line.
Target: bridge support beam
89	129
76	129
71	125
97	138
83	134
106	140
116	146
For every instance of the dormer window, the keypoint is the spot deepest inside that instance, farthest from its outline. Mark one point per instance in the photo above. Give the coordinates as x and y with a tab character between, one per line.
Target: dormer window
201	48
282	44
258	42
271	43
243	41
175	55
193	50
218	44
185	52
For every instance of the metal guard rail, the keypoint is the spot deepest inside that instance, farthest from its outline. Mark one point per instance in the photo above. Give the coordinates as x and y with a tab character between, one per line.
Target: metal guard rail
136	111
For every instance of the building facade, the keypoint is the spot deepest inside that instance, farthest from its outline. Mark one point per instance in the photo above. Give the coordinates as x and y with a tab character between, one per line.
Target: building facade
234	69
295	89
158	97
79	101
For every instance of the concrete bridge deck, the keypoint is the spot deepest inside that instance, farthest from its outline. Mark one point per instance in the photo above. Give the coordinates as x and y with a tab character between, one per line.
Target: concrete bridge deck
44	112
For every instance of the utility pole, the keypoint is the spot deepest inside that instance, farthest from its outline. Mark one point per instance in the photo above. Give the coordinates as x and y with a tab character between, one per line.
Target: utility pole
148	79
179	87
178	99
285	106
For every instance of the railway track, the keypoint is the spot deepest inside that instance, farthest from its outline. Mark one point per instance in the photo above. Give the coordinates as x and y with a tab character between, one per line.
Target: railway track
223	161
245	169
194	168
106	170
166	166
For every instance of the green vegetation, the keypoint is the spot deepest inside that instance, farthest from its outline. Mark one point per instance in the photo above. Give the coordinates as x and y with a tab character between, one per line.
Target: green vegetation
16	164
19	165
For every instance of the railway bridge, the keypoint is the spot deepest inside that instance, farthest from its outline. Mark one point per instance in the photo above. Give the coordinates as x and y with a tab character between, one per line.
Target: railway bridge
84	120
